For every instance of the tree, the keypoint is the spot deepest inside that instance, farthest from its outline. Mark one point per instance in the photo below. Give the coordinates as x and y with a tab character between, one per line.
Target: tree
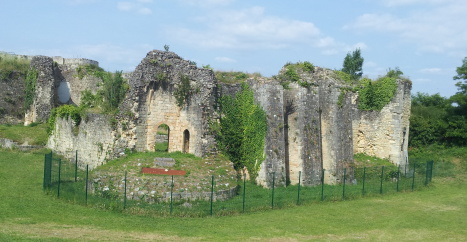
460	98
243	127
353	64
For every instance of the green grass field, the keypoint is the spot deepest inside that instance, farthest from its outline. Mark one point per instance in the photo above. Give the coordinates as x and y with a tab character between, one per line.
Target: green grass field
26	213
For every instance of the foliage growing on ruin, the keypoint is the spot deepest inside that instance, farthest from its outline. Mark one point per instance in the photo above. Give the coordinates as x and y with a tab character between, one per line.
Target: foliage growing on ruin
291	74
92	70
374	95
183	91
10	64
243	129
109	96
235	76
347	78
30	87
353	63
64	111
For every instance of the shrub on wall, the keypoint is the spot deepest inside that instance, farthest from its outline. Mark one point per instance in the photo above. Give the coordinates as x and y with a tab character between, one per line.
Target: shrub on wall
65	111
374	95
111	93
242	130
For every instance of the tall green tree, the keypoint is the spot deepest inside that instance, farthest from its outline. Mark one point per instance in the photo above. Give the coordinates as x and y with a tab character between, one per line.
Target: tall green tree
460	98
353	63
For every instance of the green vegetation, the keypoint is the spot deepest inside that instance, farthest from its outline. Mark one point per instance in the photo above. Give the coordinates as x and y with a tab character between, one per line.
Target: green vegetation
437	213
353	64
439	120
111	93
292	71
234	76
64	111
33	134
183	91
11	64
374	95
30	88
242	131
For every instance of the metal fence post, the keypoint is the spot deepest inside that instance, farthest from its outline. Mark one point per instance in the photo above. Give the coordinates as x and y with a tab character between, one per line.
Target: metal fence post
363	181
87	178
76	166
124	193
431	170
273	181
343	188
244	190
382	177
426	172
299	183
212	191
59	171
322	185
171	195
413	177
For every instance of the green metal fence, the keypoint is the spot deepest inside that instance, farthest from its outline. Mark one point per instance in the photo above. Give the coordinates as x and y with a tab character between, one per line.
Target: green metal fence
64	179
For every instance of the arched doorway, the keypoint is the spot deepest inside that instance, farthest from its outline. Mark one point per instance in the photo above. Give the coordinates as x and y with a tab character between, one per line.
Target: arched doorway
162	138
186	141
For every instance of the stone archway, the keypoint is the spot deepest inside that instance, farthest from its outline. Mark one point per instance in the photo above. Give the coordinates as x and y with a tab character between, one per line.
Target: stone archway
186	141
162	138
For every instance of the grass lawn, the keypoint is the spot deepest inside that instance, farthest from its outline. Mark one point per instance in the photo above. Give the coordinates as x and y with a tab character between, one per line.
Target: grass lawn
26	213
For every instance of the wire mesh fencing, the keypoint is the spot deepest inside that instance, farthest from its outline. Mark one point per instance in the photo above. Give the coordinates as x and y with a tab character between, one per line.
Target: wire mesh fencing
63	179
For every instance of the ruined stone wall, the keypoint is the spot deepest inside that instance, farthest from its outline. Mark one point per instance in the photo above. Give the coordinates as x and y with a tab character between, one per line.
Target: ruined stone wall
45	95
309	128
384	133
302	135
68	76
94	139
152	100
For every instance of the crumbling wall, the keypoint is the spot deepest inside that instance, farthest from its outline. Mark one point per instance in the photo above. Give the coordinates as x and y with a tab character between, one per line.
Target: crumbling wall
94	139
44	99
152	99
384	133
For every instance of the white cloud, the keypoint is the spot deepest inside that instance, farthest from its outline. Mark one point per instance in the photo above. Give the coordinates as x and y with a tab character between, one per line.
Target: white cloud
206	3
125	6
145	11
138	6
434	27
251	28
225	59
431	70
392	3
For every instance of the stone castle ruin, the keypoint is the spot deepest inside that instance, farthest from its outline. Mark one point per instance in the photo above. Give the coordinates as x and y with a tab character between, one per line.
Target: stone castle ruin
309	128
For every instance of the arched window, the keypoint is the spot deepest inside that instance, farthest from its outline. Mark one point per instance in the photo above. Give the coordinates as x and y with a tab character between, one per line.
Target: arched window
162	138
186	141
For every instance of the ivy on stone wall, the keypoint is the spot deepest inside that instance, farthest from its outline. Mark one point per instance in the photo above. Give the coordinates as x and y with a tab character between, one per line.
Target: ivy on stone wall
30	88
243	127
183	91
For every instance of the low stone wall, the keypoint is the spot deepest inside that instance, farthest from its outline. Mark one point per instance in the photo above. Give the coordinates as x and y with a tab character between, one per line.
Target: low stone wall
153	189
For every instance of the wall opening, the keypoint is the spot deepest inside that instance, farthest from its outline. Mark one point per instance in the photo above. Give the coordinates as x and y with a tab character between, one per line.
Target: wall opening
162	138
63	92
186	141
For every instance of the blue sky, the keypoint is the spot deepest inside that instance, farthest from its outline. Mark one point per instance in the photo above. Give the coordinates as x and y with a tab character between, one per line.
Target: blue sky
426	39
